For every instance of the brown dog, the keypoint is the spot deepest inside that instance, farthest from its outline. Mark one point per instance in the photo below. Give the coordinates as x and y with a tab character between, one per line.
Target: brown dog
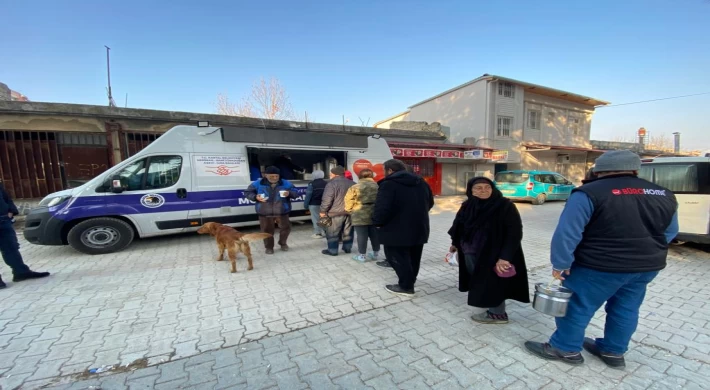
232	241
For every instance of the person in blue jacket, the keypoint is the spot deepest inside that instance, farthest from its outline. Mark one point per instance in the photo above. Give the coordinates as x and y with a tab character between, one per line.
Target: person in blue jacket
610	243
273	196
9	246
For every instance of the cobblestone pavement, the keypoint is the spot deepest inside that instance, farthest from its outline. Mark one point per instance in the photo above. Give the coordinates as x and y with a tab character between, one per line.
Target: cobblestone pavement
178	319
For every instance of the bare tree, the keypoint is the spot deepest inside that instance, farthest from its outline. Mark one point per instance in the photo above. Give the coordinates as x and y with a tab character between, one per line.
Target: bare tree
268	99
660	142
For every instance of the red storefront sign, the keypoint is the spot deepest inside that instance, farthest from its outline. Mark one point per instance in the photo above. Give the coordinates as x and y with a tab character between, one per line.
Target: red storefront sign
434	153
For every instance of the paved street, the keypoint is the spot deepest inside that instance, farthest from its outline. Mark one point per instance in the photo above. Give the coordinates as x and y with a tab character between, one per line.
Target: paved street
165	315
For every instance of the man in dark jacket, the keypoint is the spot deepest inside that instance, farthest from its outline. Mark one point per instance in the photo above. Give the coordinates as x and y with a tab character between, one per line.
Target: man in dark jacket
610	243
9	246
333	206
402	217
273	196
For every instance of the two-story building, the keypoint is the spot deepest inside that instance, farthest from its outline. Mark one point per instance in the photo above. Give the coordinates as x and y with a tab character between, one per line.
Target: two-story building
527	125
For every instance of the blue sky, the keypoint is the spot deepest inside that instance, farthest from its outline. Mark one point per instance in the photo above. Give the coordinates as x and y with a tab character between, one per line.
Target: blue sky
367	58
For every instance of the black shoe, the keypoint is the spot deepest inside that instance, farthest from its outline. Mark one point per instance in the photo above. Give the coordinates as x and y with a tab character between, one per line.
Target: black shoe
395	289
384	264
2	284
548	352
269	251
348	251
610	359
285	248
328	253
29	275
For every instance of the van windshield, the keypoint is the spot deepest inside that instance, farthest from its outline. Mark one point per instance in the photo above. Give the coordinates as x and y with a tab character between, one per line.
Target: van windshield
512	177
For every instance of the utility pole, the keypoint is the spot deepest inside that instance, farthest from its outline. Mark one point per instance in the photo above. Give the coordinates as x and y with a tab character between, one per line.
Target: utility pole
111	103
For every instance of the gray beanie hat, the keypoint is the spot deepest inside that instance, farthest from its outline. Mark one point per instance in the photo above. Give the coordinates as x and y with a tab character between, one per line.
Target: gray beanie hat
617	161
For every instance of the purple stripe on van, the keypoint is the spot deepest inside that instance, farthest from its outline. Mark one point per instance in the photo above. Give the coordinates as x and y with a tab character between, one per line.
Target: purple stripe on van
158	202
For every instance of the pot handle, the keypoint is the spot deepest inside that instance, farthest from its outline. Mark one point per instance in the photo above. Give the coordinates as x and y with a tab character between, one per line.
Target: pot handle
551	282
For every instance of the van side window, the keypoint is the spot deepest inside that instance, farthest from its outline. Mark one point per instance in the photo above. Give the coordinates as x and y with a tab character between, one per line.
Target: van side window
163	172
132	176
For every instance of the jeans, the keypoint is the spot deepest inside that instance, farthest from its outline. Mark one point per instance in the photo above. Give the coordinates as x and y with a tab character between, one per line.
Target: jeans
341	228
315	216
10	247
623	294
470	267
268	225
362	233
406	261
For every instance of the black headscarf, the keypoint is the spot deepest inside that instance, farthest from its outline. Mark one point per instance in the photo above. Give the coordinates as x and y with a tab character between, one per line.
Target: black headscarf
476	212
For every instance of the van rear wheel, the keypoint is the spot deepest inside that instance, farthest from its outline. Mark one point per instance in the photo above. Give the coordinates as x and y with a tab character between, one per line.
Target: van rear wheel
540	199
98	236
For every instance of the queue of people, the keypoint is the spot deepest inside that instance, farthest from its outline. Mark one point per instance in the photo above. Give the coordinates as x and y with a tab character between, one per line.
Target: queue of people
608	246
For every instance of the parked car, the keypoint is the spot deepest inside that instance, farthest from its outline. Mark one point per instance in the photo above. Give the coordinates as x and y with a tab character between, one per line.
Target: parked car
534	186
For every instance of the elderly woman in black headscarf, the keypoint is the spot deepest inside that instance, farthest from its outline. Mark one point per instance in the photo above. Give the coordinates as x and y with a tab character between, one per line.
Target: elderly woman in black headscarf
487	234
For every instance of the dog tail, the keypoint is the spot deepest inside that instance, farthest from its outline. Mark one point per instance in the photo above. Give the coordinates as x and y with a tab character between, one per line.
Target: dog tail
255	237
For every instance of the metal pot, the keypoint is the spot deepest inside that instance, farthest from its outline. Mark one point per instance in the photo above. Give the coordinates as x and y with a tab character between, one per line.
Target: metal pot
551	299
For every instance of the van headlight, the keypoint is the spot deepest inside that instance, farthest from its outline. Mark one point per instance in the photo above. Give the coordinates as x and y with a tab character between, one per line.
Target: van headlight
53	201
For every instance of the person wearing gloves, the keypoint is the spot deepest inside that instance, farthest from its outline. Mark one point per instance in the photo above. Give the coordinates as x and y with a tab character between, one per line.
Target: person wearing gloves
273	196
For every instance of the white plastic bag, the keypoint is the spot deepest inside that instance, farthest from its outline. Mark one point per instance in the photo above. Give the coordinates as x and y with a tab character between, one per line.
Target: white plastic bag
452	258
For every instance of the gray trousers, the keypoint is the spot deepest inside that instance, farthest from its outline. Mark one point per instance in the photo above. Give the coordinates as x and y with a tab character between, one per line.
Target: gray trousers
362	233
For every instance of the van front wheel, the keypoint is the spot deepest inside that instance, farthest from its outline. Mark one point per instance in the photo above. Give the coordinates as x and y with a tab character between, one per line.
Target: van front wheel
540	199
100	235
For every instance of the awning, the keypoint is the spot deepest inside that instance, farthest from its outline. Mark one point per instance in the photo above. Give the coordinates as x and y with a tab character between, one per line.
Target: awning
543	147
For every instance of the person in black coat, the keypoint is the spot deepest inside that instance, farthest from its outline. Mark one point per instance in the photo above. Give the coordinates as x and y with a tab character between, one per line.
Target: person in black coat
487	234
402	218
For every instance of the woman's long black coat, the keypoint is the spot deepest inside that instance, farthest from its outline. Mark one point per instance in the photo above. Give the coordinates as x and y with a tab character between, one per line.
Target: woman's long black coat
504	236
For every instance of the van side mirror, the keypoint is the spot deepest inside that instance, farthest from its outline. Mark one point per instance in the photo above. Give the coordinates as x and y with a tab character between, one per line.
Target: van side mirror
116	186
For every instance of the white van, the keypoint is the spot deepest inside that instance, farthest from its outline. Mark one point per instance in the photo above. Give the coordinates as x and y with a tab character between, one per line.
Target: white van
188	176
689	179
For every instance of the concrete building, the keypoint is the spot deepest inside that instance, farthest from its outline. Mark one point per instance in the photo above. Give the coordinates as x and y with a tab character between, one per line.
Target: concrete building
527	126
47	147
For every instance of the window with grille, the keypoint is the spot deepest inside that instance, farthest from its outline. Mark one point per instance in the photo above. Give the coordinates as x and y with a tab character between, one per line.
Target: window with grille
506	90
534	117
505	124
422	167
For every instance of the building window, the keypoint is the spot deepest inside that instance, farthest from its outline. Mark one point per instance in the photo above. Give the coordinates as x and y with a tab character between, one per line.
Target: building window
534	117
573	124
505	124
506	90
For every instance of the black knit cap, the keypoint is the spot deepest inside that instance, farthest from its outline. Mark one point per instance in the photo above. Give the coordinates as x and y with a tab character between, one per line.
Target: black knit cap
272	171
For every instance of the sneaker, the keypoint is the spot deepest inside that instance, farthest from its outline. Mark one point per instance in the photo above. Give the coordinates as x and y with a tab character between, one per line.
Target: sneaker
395	289
269	251
360	258
328	253
285	248
29	275
610	359
316	236
489	318
373	255
548	352
384	264
2	284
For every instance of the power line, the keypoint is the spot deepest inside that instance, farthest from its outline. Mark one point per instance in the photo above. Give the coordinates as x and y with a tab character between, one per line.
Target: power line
655	100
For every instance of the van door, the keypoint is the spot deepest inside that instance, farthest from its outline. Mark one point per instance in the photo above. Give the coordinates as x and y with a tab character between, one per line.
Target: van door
155	194
549	186
564	187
